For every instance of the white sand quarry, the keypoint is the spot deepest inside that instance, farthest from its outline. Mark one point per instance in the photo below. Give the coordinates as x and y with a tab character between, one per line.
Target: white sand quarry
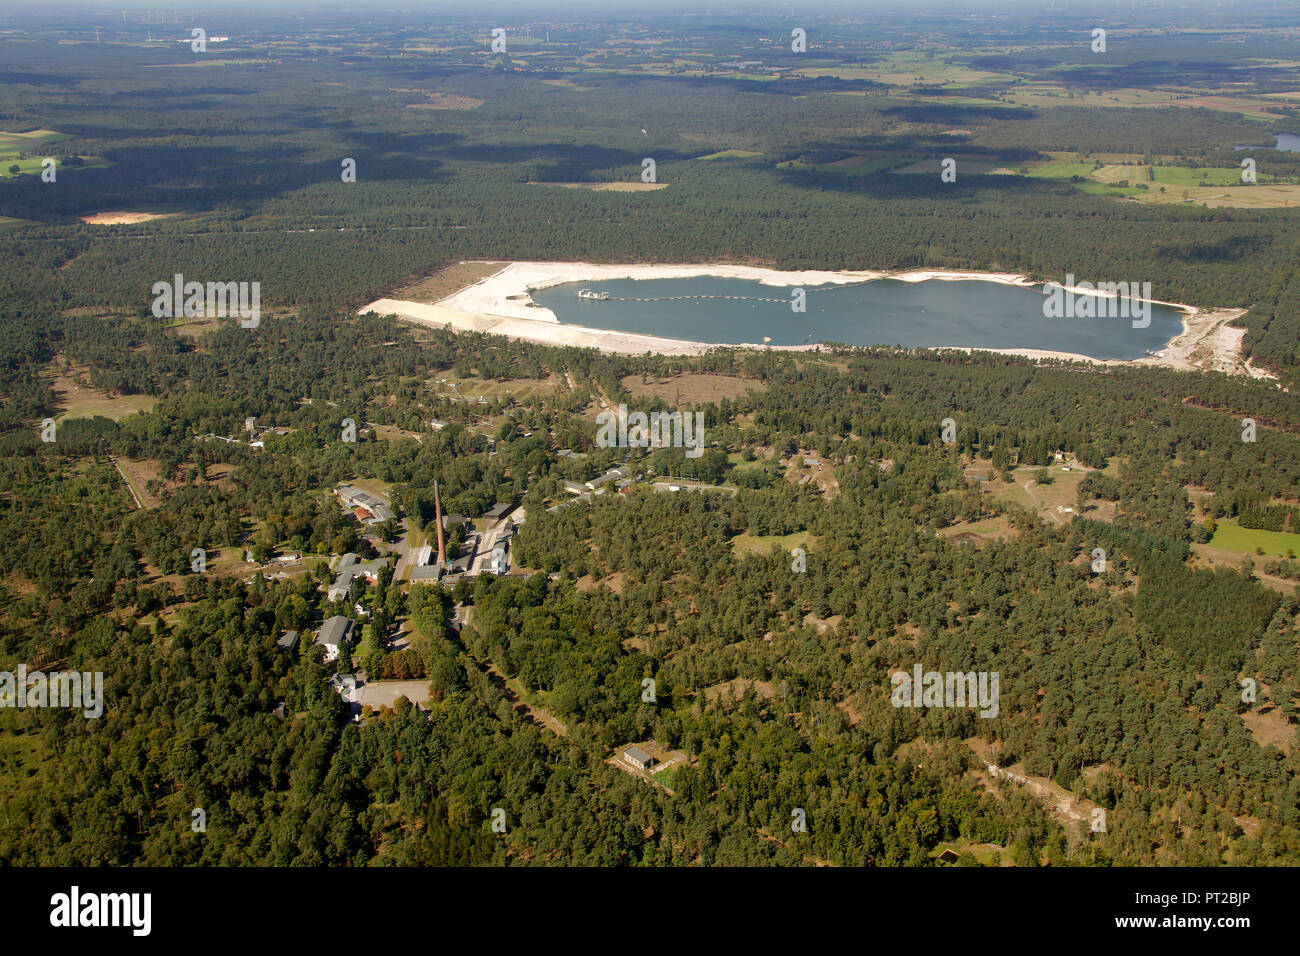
502	305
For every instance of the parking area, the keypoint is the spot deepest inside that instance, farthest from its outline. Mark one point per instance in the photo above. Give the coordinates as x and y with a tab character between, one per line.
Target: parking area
384	693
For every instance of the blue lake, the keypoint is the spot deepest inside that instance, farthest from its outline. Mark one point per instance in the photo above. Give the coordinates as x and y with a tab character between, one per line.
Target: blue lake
928	314
1286	143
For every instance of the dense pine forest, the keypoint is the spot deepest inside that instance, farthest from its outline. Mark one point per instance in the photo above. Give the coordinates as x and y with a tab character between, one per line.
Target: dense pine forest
829	537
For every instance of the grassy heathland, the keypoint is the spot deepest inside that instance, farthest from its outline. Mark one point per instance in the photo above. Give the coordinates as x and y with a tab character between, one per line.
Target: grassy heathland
1232	537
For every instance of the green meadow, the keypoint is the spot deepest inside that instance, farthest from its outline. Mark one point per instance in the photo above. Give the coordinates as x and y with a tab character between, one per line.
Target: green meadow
24	150
1232	537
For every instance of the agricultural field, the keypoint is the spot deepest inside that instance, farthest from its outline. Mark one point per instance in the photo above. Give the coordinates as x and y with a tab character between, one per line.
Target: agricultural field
731	154
913	69
201	64
11	144
1252	197
967	167
23	151
1048	95
1165	183
1253	106
633	186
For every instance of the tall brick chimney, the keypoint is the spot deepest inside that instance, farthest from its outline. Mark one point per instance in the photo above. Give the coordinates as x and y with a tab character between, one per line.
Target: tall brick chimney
437	513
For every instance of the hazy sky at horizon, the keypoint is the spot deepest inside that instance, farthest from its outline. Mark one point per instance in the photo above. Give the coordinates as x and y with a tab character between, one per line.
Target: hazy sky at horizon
563	9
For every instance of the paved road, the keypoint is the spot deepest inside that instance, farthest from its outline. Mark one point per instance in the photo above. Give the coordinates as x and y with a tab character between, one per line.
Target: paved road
406	554
485	545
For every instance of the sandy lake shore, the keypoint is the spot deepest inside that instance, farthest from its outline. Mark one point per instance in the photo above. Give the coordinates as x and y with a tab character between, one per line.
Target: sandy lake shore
502	304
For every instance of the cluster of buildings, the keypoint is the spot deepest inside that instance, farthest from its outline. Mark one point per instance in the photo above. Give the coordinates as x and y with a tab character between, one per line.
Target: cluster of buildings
481	550
369	509
429	571
348	569
257	433
620	477
498	518
584	491
431	565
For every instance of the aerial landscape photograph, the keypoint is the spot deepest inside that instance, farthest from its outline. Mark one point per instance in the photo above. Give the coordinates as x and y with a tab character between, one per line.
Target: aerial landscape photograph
603	436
